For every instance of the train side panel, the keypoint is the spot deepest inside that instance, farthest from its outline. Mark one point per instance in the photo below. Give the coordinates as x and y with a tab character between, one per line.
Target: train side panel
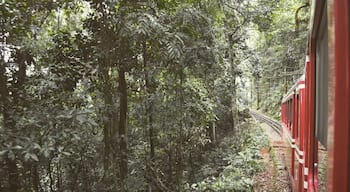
316	119
339	105
293	127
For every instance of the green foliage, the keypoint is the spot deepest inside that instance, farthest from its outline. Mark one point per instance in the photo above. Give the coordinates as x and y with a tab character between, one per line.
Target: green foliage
63	97
240	163
279	52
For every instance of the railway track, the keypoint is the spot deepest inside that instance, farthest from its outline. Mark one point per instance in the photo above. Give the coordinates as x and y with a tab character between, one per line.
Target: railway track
275	125
277	171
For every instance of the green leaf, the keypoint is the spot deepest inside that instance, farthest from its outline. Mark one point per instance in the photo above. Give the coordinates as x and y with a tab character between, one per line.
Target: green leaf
11	155
46	153
3	152
81	118
26	156
66	153
60	148
34	157
17	147
36	146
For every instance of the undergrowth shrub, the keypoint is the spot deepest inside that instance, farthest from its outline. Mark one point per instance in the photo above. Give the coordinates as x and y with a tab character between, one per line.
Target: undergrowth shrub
241	159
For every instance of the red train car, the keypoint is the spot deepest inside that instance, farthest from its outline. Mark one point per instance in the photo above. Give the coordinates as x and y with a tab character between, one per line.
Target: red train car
316	110
293	124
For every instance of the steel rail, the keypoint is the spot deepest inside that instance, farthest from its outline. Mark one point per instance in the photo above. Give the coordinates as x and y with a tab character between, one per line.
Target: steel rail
275	125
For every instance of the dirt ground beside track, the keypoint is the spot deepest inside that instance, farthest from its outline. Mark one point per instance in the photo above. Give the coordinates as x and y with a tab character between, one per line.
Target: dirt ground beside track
274	178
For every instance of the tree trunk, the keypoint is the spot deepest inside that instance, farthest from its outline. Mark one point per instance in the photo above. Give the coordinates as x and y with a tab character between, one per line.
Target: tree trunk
13	176
148	103
148	106
180	166
106	141
123	165
257	94
108	103
110	117
234	107
9	124
125	56
35	177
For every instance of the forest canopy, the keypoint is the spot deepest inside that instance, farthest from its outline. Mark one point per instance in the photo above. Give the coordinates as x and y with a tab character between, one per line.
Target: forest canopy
121	95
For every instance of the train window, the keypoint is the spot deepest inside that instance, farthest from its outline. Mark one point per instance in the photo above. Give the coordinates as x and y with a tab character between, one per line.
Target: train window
288	111
321	91
289	114
288	117
298	116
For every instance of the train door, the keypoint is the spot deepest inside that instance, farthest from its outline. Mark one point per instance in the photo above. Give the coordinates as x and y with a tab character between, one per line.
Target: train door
299	130
317	77
300	137
294	117
289	136
296	134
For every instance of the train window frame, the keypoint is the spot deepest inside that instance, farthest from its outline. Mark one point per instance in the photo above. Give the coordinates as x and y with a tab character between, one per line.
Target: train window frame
321	83
290	114
297	134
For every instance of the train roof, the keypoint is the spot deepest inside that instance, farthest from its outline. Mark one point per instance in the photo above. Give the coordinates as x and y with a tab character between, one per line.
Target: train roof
300	83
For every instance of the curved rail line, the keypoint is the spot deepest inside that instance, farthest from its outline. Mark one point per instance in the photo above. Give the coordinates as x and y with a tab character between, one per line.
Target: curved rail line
275	125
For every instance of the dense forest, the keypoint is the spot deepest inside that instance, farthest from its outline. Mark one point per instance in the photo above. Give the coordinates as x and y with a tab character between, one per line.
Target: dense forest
141	95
